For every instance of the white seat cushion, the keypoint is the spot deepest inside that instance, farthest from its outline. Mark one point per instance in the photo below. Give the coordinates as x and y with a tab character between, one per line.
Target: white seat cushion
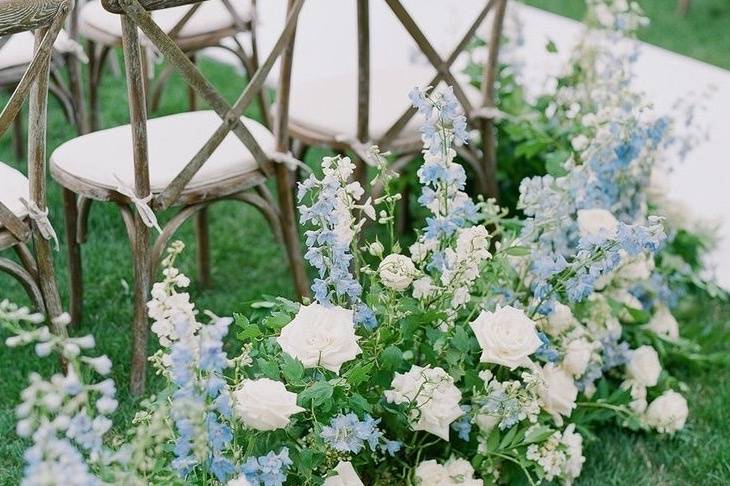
17	51
105	27
96	158
328	106
13	186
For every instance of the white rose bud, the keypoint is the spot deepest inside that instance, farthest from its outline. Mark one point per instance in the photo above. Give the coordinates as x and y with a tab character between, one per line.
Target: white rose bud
577	356
663	323
507	337
668	413
321	336
265	404
376	248
595	222
396	272
345	476
643	367
557	392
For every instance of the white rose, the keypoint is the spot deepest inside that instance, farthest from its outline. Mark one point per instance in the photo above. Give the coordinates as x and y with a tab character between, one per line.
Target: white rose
595	222
434	395
668	413
507	337
559	320
557	392
346	476
321	336
265	404
455	472
579	143
577	356
663	323
396	272
643	367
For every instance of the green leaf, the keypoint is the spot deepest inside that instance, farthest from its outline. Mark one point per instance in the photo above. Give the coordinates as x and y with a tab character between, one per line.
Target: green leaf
249	333
277	320
517	251
360	404
461	340
554	164
507	439
292	369
359	373
268	368
538	434
392	357
316	394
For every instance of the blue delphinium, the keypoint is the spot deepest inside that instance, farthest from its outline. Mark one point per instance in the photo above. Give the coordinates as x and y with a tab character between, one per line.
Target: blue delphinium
268	470
462	426
347	433
329	212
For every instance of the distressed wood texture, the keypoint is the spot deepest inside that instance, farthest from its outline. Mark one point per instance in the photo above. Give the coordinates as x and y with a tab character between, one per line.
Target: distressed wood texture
117	6
23	15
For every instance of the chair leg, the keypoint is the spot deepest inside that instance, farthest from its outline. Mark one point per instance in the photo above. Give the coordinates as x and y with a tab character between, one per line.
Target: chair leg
47	284
140	328
18	137
76	289
289	230
93	79
203	247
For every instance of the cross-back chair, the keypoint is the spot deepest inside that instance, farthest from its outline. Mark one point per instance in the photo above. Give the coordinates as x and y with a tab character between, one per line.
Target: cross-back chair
371	106
186	160
16	53
23	211
194	27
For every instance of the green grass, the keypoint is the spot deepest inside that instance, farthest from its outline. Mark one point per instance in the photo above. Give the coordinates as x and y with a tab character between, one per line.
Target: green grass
702	34
248	263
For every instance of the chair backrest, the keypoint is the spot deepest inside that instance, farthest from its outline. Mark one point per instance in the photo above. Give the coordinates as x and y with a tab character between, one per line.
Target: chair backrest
46	17
134	15
484	163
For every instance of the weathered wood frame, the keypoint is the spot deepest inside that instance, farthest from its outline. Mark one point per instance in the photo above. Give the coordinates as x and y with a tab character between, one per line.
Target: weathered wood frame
35	271
100	54
247	188
482	161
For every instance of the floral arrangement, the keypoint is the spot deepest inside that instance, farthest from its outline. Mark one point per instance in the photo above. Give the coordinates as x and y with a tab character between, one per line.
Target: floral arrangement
483	353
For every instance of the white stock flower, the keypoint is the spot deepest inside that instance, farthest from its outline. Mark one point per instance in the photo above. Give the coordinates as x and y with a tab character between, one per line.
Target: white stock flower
239	481
507	337
577	356
573	442
346	476
663	323
667	413
557	392
265	404
559	320
321	336
396	272
432	394
423	288
595	222
454	472
644	367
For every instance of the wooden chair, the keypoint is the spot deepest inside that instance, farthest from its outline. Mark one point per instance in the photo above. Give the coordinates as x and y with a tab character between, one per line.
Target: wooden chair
16	53
368	101
187	160
214	23
23	213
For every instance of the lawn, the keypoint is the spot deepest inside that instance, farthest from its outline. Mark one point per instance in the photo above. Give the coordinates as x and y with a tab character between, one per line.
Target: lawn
248	263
